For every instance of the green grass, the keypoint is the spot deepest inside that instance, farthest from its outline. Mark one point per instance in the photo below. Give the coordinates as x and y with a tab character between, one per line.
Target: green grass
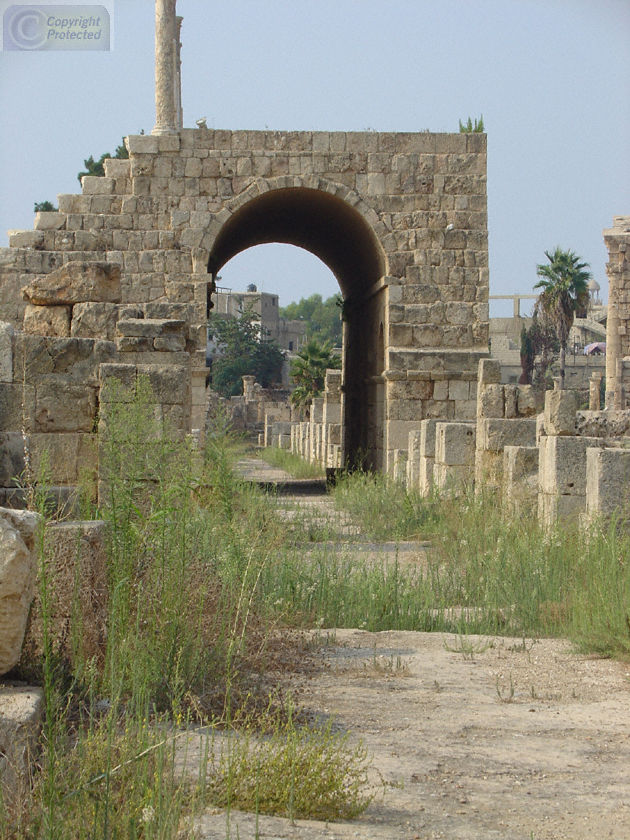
296	466
203	571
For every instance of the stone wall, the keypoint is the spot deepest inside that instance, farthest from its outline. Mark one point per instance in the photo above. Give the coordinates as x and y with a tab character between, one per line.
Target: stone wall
400	219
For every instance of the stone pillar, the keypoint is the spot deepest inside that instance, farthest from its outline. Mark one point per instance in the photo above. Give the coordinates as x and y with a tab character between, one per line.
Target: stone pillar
617	241
594	402
165	96
179	111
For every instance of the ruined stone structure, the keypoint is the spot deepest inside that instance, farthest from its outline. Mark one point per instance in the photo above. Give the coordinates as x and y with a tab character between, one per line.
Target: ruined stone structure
399	218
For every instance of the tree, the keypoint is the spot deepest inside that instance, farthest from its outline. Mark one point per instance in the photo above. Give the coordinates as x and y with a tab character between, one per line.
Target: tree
44	207
470	128
564	292
95	167
321	317
243	351
537	341
308	371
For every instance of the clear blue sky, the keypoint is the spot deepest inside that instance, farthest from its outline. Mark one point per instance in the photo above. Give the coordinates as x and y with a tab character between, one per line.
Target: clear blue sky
551	78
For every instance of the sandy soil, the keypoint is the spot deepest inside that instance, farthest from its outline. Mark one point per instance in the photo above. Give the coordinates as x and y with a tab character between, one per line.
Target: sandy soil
474	738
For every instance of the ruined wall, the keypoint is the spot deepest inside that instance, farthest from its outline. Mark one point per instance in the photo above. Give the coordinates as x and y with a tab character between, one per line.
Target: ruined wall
617	241
399	218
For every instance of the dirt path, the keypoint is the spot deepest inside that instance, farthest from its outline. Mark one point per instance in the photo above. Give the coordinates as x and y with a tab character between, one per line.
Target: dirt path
474	738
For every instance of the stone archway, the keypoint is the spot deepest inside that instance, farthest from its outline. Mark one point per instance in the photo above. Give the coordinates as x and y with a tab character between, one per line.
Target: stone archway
328	226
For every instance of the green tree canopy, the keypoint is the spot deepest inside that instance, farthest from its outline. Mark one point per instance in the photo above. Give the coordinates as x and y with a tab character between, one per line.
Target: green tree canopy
564	292
44	207
321	317
243	351
308	371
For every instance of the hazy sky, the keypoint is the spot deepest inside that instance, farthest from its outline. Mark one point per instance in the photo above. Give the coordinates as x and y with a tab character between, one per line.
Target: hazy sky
551	78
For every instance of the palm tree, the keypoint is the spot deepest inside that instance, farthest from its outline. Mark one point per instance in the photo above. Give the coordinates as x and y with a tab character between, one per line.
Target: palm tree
564	291
308	371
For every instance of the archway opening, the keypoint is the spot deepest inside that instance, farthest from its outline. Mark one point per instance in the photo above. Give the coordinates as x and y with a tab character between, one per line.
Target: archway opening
334	231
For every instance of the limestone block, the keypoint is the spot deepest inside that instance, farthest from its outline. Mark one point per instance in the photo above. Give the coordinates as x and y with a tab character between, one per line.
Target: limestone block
47	320
400	466
491	401
26	238
459	390
76	565
127	344
317	410
117	383
49	221
553	508
510	410
520	476
6	352
76	282
94	320
427	438
608	484
495	435
11	458
489	372
527	401
608	424
21	715
64	407
17	407
450	477
66	456
169	343
455	444
97	185
413	459
150	327
18	571
169	383
560	410
563	464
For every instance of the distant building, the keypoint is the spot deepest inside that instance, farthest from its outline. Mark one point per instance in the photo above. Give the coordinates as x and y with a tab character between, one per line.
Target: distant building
288	335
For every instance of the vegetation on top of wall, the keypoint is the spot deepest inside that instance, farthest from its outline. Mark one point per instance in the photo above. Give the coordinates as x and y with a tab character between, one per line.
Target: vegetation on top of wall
95	167
472	128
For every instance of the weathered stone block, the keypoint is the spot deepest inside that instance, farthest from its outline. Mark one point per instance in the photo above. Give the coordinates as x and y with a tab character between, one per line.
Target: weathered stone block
21	714
94	320
11	458
64	407
489	372
6	352
150	327
495	434
560	410
17	406
527	401
491	401
49	221
608	484
169	383
76	282
455	444
18	570
65	456
47	320
563	464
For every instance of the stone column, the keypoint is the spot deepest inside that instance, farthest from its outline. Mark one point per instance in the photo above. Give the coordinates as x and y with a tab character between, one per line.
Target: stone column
617	241
593	393
179	111
165	33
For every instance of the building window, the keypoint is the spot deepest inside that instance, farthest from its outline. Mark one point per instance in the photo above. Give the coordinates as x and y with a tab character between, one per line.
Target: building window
290	347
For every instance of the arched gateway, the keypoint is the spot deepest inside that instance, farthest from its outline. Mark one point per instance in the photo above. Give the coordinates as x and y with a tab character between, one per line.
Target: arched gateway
400	219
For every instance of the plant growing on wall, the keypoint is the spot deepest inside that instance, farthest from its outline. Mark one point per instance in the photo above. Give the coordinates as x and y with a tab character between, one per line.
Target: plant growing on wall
472	128
564	293
95	167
